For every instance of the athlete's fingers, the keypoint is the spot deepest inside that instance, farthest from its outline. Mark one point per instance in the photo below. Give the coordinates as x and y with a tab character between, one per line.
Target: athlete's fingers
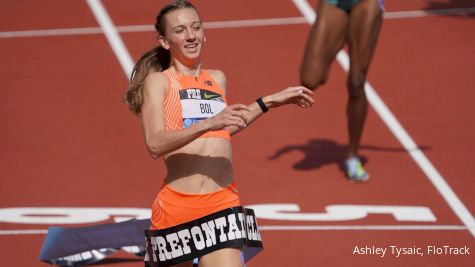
302	102
239	110
296	92
305	90
299	90
239	114
242	121
236	121
234	118
227	117
302	92
302	96
306	99
305	103
296	102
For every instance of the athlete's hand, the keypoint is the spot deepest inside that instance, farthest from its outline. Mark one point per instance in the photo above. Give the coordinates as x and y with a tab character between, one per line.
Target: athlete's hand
297	95
230	116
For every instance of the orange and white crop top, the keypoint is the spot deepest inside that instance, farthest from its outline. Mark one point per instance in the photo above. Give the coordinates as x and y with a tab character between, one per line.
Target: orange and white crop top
190	99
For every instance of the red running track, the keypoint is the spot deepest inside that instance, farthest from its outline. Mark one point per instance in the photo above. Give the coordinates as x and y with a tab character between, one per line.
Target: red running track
68	141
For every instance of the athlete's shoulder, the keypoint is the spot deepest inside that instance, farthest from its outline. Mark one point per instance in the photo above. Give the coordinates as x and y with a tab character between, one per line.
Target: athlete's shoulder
156	77
219	77
155	80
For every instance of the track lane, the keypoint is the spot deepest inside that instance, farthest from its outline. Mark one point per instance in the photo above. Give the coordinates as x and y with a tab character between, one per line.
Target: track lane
327	178
31	15
442	123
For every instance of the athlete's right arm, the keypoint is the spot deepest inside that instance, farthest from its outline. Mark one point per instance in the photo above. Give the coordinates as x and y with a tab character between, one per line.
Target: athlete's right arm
160	141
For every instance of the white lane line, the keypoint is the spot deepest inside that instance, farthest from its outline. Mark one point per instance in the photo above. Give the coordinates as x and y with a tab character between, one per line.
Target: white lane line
112	36
150	28
253	22
51	32
362	227
227	24
428	13
301	228
402	136
24	232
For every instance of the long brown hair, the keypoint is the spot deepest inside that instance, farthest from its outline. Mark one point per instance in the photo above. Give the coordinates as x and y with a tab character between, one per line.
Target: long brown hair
156	59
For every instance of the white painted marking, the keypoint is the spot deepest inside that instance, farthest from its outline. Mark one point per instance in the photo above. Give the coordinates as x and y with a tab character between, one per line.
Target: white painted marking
226	24
283	212
291	212
150	28
362	227
301	228
51	32
53	215
112	36
24	232
428	13
403	137
253	23
306	10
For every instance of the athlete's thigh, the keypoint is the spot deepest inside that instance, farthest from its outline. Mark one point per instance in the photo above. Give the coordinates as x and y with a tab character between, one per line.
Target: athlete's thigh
227	257
326	38
365	23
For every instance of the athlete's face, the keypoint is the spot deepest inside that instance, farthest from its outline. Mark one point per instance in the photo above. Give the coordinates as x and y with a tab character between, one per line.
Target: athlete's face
184	35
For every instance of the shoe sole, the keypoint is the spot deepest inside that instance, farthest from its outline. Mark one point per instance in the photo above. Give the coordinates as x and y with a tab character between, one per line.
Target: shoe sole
356	180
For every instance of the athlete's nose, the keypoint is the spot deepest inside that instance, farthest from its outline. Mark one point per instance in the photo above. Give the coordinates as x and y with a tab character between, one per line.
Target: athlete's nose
190	35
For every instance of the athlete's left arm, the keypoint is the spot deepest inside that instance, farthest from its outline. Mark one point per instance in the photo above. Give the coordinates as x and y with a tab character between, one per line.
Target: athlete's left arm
298	95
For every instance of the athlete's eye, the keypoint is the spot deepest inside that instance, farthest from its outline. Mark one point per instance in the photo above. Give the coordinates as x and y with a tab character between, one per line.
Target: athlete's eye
197	26
179	30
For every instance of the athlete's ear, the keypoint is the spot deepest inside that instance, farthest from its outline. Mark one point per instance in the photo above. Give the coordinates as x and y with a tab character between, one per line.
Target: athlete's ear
163	42
204	39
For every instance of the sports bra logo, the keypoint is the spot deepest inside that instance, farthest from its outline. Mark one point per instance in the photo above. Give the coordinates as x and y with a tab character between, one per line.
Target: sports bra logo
200	94
210	96
193	93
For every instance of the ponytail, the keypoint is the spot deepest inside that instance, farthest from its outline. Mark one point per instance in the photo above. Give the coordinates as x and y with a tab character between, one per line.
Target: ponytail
157	59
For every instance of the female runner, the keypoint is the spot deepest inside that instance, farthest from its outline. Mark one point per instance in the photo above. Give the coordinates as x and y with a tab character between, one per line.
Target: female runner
186	120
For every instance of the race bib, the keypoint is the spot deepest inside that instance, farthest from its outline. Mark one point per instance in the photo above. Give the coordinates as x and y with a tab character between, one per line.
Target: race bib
199	104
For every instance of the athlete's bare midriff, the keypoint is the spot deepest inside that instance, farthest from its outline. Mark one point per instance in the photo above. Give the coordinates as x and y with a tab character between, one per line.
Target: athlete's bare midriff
202	166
